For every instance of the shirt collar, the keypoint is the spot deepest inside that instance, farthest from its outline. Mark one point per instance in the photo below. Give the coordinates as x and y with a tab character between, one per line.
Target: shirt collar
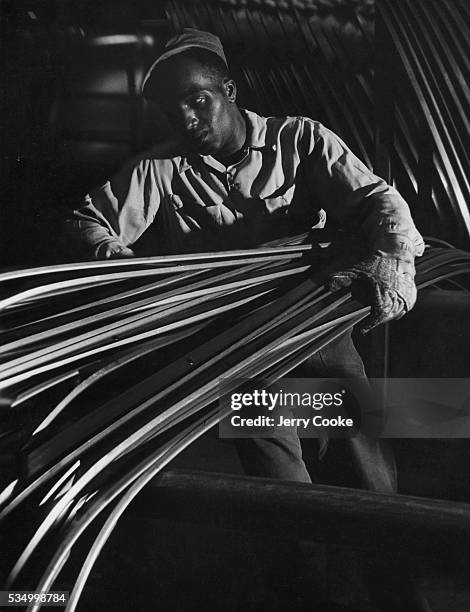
183	165
256	129
256	139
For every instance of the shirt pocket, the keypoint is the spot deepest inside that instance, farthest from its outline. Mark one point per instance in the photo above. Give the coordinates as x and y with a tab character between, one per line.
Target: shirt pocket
197	215
279	202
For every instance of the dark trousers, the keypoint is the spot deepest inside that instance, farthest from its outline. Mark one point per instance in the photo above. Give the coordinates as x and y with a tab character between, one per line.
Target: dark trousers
281	456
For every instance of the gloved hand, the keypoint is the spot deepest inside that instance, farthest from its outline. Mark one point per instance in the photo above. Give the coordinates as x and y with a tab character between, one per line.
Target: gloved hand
111	250
385	281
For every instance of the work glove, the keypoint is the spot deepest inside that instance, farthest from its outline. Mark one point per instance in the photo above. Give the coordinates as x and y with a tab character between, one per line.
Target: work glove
384	280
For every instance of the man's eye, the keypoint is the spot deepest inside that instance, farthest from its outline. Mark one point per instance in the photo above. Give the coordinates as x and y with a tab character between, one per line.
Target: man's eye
200	100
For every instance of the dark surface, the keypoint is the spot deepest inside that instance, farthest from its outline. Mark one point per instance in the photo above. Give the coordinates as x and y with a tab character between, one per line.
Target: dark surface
153	564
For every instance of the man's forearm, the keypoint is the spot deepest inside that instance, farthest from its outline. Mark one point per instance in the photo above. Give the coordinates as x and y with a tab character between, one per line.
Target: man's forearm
389	227
96	242
352	194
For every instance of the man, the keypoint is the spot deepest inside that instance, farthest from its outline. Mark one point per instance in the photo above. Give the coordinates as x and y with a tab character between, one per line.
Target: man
232	179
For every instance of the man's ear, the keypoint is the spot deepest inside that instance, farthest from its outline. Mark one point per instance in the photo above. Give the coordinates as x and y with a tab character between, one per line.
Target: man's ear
230	90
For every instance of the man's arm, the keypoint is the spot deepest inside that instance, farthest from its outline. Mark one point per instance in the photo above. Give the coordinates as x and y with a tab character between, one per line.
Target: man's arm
95	236
354	196
112	217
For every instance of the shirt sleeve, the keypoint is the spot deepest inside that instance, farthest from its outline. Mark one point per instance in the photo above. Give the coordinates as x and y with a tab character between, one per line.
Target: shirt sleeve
117	213
352	194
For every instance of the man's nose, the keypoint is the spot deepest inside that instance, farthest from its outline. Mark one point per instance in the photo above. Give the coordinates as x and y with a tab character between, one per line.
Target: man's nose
189	118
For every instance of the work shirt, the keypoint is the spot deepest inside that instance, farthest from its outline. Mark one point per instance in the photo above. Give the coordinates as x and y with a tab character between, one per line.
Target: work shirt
292	173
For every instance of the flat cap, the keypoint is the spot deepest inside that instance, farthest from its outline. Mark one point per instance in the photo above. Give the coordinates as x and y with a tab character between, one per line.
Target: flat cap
189	38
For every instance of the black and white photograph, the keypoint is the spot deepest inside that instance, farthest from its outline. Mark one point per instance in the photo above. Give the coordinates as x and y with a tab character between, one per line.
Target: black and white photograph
235	305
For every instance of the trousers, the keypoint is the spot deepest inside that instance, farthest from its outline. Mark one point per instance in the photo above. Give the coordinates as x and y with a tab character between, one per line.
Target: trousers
280	456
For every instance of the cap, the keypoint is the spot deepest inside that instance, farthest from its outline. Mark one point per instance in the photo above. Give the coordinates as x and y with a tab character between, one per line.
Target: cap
189	38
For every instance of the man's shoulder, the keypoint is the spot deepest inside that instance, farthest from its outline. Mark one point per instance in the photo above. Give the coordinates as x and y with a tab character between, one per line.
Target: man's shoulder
270	130
304	130
286	122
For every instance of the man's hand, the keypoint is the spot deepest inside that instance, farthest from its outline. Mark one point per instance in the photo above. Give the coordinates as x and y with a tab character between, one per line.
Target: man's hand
383	281
114	251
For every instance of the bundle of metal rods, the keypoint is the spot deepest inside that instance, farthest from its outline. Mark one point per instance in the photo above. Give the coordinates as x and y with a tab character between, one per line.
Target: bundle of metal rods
110	369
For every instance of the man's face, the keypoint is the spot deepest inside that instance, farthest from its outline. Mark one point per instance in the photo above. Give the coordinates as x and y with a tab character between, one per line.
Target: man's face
199	106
